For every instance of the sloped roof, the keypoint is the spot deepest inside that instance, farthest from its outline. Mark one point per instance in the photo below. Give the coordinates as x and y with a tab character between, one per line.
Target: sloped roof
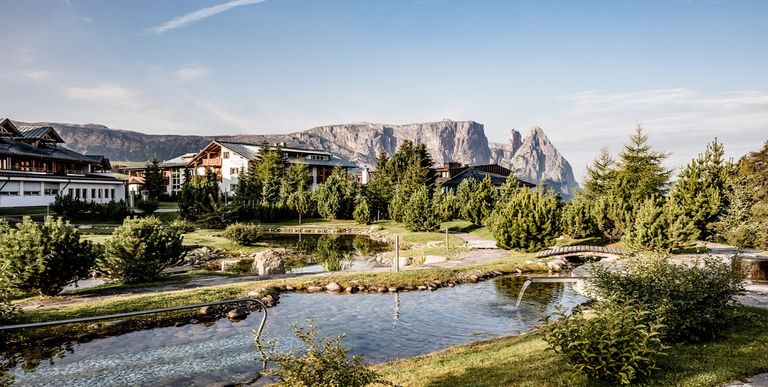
252	152
179	161
12	147
40	133
479	175
9	127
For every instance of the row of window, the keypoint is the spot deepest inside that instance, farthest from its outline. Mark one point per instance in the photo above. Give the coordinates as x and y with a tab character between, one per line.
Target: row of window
96	193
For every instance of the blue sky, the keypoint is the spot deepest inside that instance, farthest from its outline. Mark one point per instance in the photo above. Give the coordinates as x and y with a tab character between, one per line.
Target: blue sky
585	71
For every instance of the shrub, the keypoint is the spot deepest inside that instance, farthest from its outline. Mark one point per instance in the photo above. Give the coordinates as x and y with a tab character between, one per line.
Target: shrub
324	363
243	233
480	201
695	302
362	213
7	310
335	197
75	208
140	249
577	218
44	258
147	206
614	344
748	235
182	225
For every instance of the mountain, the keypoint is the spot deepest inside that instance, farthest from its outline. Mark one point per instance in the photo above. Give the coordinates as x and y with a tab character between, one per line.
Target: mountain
534	158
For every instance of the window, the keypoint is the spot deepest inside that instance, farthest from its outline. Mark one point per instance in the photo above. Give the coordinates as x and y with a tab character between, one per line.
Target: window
106	194
51	189
234	171
70	192
99	192
93	193
113	193
224	155
77	193
31	193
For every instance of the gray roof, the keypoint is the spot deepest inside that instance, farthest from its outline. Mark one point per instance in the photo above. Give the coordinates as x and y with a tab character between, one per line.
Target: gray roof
38	132
11	147
57	177
252	152
180	161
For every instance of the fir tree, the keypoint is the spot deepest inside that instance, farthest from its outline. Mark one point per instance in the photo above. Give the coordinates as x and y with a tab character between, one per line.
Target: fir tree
650	230
269	171
379	190
295	191
577	220
481	201
600	175
362	213
640	173
754	168
529	220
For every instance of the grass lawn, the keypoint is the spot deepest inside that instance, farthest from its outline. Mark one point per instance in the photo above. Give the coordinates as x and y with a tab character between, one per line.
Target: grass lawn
525	361
21	211
466	226
212	238
169	205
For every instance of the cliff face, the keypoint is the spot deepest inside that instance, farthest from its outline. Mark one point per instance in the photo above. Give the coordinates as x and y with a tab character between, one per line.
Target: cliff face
534	158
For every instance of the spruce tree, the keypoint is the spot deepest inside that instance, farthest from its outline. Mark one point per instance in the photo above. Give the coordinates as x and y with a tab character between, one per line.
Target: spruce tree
529	220
600	175
153	180
269	171
577	220
640	173
650	229
419	215
379	190
754	169
444	205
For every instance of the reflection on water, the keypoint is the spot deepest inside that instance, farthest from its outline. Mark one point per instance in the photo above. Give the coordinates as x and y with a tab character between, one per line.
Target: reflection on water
327	252
381	326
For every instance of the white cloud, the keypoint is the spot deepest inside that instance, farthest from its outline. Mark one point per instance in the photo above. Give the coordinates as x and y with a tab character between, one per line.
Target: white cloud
200	14
681	121
108	93
190	72
35	74
86	19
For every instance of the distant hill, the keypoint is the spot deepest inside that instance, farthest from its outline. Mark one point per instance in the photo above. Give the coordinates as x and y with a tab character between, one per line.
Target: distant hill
534	158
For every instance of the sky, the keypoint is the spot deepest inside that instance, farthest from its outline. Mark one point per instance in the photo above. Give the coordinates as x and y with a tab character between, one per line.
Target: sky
587	72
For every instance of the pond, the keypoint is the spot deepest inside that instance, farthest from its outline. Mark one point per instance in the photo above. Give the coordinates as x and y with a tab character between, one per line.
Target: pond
327	252
380	326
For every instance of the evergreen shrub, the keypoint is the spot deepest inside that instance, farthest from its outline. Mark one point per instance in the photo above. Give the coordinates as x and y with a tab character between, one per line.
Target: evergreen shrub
141	249
243	233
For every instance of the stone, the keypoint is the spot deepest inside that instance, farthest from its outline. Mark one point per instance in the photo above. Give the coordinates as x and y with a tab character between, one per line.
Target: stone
314	289
350	289
179	324
194	321
422	287
333	287
207	310
382	289
85	337
269	262
474	278
392	289
269	299
289	288
361	288
450	285
237	314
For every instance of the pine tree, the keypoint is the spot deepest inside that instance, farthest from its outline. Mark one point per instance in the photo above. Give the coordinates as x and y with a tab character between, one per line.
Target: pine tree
600	175
650	230
444	205
269	171
754	168
153	180
379	190
529	220
362	213
577	220
295	191
399	202
335	197
419	215
701	191
481	202
640	173
464	194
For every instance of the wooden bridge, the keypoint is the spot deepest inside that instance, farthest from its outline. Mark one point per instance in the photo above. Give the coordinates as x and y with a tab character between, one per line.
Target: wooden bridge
579	250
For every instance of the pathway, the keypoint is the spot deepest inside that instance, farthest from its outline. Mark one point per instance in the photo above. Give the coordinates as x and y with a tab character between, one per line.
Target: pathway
475	242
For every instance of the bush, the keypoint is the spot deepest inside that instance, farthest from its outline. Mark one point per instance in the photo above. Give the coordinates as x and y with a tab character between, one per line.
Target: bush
324	363
243	233
147	206
182	225
140	249
44	258
76	209
748	235
695	302
614	344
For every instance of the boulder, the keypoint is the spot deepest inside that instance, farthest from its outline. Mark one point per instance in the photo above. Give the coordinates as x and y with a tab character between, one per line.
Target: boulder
314	289
237	314
333	287
269	262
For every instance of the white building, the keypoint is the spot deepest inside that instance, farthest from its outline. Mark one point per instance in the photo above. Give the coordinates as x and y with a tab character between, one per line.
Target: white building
228	159
34	168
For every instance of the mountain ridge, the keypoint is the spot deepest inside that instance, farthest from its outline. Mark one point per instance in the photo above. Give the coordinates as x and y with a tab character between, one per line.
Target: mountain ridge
533	158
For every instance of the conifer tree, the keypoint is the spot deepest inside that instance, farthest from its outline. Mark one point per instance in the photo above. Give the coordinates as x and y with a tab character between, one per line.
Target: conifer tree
754	168
379	190
335	197
153	180
650	229
640	173
444	205
481	201
600	175
399	203
577	220
362	213
269	171
529	220
701	191
419	215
